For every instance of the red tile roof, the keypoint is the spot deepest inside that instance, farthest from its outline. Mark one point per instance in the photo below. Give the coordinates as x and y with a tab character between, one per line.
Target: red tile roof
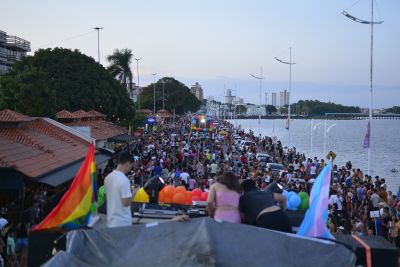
65	114
39	147
146	111
100	129
97	114
80	114
8	115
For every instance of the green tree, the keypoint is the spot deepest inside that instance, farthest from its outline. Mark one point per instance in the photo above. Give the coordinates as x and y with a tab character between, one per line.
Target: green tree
240	109
56	79
315	107
270	109
284	110
120	66
177	96
21	90
394	110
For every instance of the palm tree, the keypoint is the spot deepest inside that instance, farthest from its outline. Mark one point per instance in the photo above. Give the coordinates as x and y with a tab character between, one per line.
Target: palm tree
120	66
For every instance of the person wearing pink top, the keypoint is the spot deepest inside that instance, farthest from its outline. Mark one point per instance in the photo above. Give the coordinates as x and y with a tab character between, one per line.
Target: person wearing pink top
223	199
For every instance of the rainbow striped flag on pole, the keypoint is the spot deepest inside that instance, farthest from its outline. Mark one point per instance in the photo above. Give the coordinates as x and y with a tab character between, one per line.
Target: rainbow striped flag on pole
75	208
314	222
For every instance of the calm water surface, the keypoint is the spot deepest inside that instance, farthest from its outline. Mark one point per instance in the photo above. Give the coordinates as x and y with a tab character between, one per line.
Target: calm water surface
345	139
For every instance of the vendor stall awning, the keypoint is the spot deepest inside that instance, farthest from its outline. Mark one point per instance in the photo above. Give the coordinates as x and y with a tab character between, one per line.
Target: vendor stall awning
67	173
121	138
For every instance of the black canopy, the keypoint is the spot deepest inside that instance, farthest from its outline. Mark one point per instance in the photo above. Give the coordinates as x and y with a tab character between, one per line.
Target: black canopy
67	173
121	138
200	242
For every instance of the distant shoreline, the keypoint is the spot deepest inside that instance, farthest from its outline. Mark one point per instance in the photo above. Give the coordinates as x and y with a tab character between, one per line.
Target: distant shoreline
319	117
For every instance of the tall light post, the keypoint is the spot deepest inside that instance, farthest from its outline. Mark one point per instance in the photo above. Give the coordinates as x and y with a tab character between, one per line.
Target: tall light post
290	63
137	71
260	78
326	131
154	95
98	42
371	22
163	98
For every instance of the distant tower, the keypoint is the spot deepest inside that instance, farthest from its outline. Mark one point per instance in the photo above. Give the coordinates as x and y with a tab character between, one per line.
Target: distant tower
229	97
274	100
197	90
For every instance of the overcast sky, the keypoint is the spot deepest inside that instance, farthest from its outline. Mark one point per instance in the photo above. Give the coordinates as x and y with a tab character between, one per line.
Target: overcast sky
220	42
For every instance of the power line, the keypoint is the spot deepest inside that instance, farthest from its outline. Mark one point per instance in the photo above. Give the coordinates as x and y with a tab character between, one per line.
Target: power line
64	40
355	3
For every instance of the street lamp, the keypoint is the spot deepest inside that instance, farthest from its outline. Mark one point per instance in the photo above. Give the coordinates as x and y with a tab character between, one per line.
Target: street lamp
137	70
154	96
290	63
98	42
163	98
260	78
371	22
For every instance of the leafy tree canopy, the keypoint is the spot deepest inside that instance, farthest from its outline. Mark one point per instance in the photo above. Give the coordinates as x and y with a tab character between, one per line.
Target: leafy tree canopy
177	96
56	79
315	107
270	109
240	109
394	110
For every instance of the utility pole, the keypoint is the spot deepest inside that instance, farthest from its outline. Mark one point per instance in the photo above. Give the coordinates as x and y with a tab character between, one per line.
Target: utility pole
290	63
163	98
137	70
154	95
371	22
98	42
260	78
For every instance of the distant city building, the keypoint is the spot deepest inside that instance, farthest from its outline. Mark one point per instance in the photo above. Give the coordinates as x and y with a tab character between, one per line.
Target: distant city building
213	108
252	110
197	91
229	98
284	98
133	92
274	100
12	48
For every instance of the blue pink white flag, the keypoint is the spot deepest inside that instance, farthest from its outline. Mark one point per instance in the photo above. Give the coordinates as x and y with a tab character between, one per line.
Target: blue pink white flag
367	136
314	222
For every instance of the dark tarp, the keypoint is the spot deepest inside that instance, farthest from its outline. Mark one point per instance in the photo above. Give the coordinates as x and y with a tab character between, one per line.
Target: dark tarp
121	138
67	173
200	242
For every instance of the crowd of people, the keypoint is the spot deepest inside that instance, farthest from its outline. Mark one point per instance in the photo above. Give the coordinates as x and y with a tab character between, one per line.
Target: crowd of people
241	188
200	159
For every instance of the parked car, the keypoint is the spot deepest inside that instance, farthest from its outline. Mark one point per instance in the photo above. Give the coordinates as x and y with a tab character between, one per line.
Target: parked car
247	145
275	168
263	159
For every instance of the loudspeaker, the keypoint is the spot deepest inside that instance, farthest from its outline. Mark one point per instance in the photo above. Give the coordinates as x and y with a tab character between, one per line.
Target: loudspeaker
383	253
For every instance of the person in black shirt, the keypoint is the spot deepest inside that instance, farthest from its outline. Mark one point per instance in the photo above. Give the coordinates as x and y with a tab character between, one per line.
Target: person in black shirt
258	208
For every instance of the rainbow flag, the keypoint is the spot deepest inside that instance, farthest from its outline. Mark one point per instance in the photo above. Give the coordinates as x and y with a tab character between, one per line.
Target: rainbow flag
314	222
74	209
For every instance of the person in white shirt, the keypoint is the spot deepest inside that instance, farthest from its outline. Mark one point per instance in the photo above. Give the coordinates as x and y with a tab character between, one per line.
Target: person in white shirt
184	177
118	193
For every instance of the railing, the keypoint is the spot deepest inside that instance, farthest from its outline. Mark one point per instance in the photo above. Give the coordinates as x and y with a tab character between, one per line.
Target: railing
16	41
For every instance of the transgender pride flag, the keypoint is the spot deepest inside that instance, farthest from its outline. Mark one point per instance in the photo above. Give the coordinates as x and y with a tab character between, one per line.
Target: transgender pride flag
314	223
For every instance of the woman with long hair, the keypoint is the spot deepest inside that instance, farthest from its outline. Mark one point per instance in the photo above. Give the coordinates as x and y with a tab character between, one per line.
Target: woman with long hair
223	198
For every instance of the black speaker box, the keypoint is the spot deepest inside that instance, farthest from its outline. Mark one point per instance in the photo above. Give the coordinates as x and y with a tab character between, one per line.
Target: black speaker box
383	253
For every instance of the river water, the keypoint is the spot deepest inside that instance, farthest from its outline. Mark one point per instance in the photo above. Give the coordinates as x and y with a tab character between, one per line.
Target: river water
345	138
